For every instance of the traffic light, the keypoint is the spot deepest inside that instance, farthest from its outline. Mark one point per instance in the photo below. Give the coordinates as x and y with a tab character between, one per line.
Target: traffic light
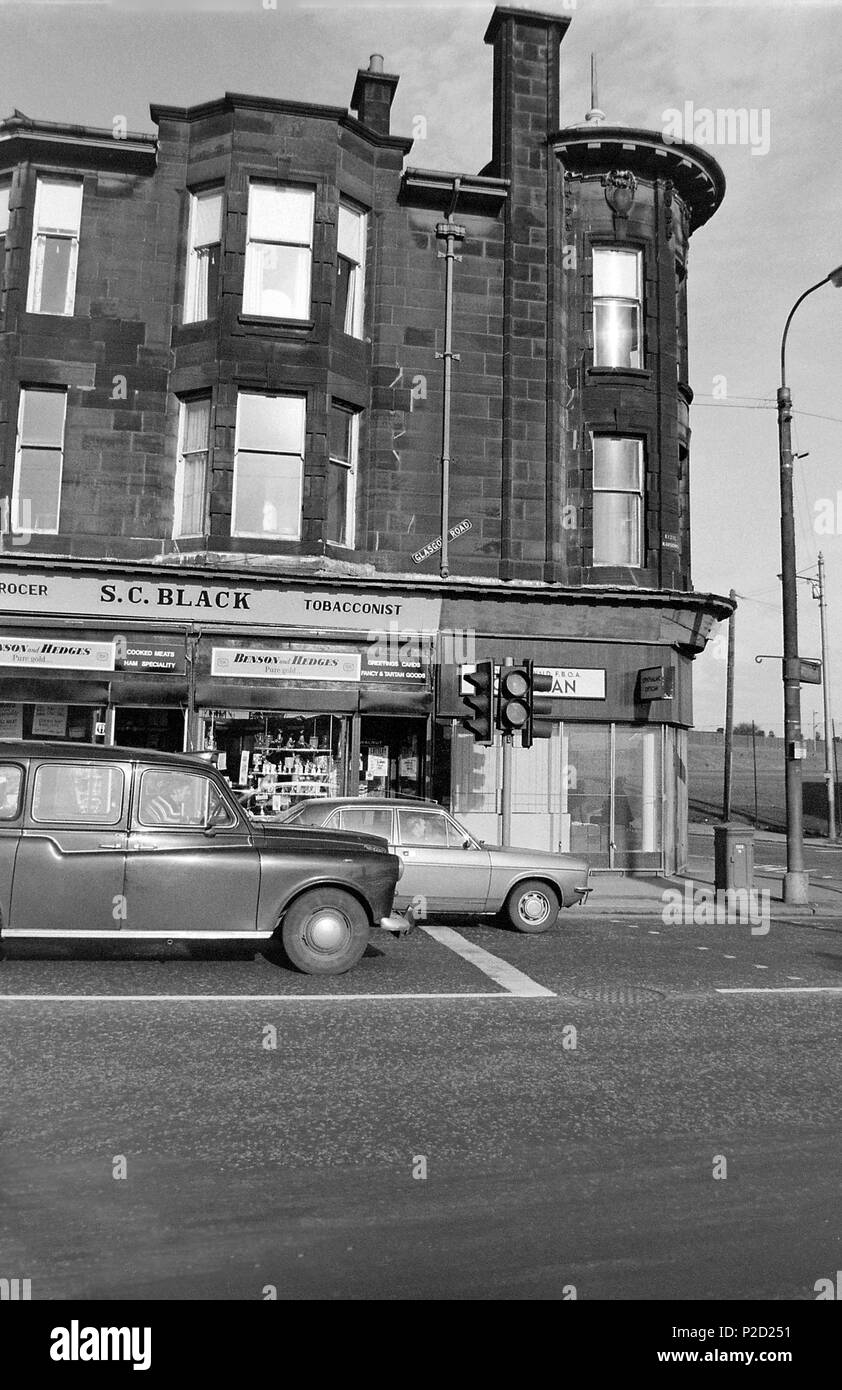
540	722
515	698
481	723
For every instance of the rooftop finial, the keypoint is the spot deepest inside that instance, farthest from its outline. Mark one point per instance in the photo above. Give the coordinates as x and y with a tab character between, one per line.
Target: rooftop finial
594	116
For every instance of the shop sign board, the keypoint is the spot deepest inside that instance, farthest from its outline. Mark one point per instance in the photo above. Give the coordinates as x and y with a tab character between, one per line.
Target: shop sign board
568	682
657	683
249	663
51	654
141	653
573	682
30	593
11	721
49	721
386	662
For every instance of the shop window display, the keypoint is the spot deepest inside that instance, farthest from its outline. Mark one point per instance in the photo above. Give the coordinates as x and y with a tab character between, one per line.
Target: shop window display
282	758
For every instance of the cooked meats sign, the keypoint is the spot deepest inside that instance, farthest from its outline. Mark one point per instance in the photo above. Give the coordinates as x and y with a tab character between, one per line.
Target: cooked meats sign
182	601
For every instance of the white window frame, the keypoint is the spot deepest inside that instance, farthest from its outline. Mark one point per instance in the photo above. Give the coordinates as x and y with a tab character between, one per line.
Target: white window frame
638	493
356	296
194	260
636	303
261	241
178	509
262	535
351	468
19	447
36	263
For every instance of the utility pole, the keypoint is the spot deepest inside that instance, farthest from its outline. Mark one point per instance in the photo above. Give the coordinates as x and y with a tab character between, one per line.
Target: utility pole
829	749
729	714
754	759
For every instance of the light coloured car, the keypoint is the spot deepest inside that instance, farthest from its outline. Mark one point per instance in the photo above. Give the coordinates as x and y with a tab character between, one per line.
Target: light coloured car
446	869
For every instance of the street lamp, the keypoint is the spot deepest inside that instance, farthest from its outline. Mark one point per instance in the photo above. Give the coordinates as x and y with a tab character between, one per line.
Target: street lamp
796	879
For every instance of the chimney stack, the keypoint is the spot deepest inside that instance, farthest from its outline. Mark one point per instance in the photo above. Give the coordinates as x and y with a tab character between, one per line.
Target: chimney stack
374	92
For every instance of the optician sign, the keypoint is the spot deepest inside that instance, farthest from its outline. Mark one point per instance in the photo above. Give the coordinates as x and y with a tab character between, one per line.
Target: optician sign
574	683
180	601
569	682
51	654
246	663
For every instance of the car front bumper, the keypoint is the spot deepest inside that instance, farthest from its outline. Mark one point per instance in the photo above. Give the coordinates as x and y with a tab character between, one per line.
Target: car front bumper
395	922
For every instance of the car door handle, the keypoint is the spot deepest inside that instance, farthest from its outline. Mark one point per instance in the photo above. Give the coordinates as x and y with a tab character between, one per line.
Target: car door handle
142	844
111	844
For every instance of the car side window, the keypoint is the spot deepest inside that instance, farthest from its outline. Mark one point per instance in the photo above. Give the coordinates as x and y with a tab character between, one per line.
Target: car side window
310	815
11	782
370	820
424	829
78	793
170	797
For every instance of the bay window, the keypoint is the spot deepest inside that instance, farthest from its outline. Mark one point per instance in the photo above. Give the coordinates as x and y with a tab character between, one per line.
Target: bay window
617	501
192	469
279	251
350	270
341	476
204	240
617	308
39	459
268	466
55	246
5	190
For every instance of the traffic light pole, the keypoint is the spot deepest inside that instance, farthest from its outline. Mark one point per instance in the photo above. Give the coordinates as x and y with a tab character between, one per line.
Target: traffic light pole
506	786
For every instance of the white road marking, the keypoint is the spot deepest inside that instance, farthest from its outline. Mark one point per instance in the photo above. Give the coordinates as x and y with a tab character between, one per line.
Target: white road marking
653	933
761	967
251	998
702	948
512	979
783	989
729	957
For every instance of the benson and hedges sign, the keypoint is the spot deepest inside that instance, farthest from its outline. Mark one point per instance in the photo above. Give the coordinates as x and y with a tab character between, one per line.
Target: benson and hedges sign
52	655
249	664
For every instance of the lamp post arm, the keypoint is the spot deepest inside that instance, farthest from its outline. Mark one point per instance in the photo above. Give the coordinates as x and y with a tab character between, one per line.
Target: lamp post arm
799	301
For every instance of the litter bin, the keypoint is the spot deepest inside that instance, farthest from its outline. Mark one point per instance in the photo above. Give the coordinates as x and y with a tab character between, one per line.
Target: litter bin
733	857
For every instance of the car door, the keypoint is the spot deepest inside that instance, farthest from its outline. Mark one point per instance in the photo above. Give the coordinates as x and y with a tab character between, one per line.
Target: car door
70	863
192	867
442	863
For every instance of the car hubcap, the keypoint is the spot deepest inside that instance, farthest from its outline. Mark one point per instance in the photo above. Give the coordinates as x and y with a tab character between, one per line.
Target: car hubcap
534	907
327	930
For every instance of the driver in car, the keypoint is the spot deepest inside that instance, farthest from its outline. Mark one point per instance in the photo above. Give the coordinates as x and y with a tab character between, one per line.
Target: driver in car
171	803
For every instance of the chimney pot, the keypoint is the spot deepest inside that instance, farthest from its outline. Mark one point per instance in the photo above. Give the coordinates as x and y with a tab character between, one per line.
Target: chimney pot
375	62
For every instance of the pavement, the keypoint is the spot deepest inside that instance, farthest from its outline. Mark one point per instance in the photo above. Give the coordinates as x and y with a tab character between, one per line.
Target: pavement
647	894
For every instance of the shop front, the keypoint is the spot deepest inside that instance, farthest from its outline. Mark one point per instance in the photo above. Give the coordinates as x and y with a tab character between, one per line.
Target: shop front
317	721
348	688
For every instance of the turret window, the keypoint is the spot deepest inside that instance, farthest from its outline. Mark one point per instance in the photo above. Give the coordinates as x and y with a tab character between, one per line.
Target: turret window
617	308
617	501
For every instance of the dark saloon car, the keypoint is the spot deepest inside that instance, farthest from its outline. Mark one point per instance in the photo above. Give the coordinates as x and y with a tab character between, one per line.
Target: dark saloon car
446	869
125	844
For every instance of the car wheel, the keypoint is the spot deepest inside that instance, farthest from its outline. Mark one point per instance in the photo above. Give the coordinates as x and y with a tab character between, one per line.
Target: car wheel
532	906
325	932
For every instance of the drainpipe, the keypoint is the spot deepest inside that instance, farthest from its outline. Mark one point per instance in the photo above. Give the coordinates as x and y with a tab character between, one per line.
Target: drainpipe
450	232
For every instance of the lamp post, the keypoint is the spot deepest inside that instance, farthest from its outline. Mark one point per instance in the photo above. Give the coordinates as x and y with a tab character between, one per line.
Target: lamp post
796	879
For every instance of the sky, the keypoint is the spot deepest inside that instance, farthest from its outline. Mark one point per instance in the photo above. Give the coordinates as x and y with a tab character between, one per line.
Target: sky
778	231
